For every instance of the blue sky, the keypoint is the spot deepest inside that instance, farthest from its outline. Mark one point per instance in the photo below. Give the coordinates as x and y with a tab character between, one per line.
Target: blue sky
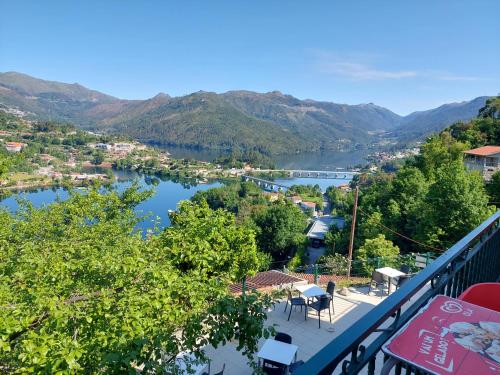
403	55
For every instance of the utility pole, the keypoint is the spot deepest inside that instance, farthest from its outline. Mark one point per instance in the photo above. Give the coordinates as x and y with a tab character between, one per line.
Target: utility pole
353	227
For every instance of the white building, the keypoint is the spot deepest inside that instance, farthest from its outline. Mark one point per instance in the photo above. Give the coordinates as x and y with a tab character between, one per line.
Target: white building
484	159
14	146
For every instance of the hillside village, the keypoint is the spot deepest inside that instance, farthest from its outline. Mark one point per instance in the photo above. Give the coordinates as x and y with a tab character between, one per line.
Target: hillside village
44	154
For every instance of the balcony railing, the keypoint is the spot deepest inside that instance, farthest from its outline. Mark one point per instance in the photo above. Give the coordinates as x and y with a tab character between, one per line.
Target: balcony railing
474	259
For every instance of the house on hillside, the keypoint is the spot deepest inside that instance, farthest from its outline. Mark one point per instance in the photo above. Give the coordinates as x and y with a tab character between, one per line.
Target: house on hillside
14	146
484	159
320	227
306	206
103	146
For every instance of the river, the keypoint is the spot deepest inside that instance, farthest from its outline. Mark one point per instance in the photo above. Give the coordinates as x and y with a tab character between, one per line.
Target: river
167	194
316	161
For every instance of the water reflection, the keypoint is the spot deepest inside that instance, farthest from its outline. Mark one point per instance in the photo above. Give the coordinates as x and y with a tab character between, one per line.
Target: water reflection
324	160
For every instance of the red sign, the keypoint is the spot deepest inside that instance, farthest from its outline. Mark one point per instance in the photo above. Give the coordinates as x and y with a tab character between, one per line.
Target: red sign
449	336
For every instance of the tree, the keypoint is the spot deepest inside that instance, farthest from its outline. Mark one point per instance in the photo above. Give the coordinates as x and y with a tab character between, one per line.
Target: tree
455	204
82	291
439	150
491	108
377	252
335	264
97	157
493	188
280	229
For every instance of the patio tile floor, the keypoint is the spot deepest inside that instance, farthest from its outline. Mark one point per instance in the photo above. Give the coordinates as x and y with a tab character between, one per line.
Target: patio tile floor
305	333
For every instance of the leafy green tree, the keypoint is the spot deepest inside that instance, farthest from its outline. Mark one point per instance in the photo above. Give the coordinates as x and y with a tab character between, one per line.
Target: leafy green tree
97	157
377	251
493	188
491	108
280	229
439	150
335	264
455	204
4	165
82	291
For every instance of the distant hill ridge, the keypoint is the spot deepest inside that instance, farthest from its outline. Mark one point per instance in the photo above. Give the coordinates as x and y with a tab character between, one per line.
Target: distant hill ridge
271	123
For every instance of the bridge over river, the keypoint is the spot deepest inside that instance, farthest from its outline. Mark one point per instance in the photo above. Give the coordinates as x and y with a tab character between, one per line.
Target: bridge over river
271	185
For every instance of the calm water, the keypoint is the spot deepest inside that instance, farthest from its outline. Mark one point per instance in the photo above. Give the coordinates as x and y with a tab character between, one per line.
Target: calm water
318	161
167	194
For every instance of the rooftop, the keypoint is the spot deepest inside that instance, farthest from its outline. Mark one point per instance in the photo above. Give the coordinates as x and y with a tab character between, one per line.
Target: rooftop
322	224
484	151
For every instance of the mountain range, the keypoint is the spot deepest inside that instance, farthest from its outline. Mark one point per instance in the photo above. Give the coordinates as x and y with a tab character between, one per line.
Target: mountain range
272	123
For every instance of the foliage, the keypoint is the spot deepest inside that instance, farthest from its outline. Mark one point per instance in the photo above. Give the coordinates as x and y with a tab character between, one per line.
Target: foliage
484	130
455	204
439	150
341	202
491	109
238	159
493	188
82	291
335	264
374	248
97	157
280	229
433	200
279	225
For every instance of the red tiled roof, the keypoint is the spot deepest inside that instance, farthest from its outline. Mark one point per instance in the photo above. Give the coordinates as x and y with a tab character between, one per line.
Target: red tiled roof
484	151
266	280
15	144
309	204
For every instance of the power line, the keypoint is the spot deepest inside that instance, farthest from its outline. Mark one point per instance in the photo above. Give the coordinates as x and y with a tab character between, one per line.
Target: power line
402	235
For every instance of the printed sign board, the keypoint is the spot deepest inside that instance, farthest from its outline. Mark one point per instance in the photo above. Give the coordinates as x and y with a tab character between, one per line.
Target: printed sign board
449	336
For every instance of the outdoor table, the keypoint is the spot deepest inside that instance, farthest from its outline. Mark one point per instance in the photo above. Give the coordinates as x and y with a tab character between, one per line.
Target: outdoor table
194	367
391	273
448	336
278	351
310	290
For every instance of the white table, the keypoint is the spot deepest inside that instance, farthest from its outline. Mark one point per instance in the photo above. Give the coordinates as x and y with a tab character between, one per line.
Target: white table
391	273
310	290
278	351
195	367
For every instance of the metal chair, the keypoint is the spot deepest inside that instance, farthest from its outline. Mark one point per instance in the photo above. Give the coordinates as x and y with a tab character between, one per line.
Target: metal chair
283	337
405	268
221	372
400	280
377	279
330	289
321	304
272	370
295	301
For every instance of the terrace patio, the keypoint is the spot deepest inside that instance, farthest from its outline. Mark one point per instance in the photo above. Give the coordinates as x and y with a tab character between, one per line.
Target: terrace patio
305	333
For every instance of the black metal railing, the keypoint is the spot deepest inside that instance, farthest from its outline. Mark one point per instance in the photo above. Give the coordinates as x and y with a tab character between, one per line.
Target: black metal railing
474	259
